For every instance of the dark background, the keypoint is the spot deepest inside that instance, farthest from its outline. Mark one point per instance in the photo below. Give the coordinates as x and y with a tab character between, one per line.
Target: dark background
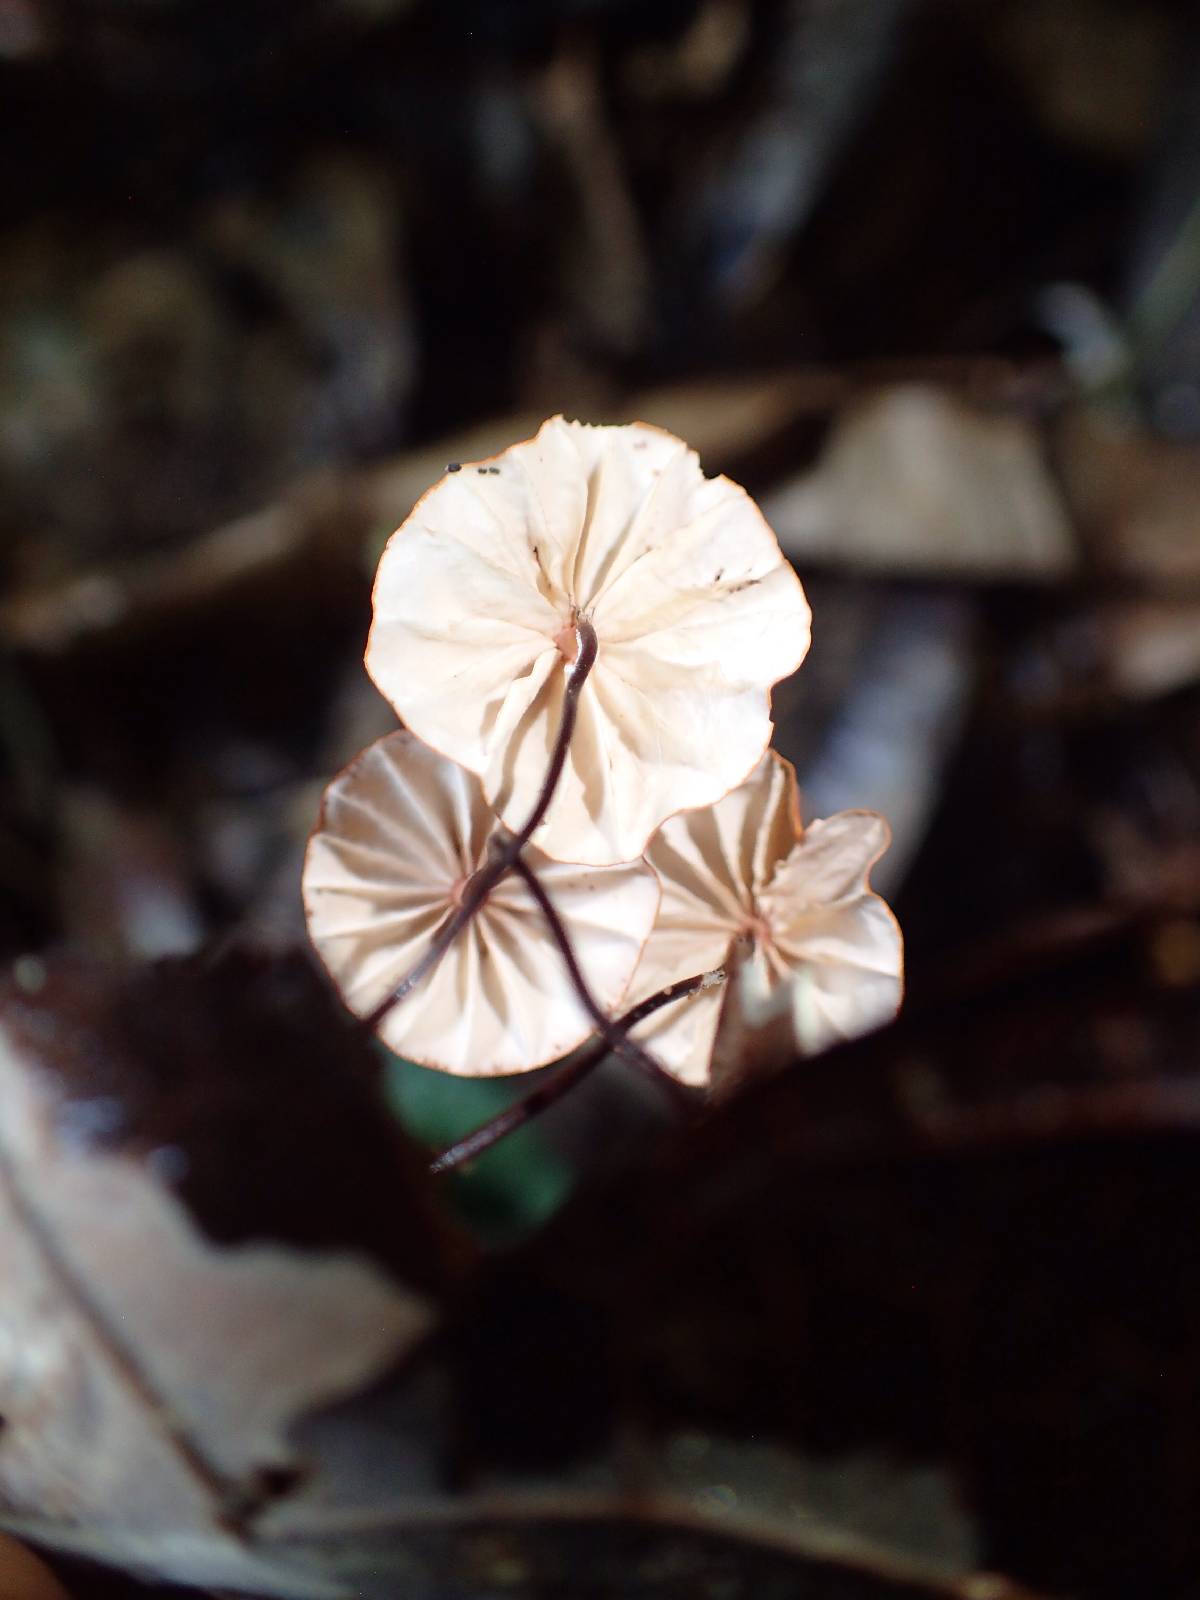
925	276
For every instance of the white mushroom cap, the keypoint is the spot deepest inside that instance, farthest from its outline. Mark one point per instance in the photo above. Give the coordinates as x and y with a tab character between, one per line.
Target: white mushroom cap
400	833
709	863
746	868
696	610
836	941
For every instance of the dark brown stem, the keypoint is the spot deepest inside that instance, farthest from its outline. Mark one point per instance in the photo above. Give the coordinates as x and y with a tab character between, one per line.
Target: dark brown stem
506	847
609	1031
574	1071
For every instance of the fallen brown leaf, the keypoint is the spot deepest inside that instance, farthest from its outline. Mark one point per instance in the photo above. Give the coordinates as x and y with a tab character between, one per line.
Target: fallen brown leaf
24	1577
912	480
149	1376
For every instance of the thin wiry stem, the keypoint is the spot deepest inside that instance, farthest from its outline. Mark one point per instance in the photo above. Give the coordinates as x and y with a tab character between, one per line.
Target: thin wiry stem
507	847
609	1031
572	1072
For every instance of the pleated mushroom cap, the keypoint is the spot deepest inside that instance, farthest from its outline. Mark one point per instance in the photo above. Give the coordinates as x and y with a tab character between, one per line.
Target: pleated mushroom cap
745	868
831	937
401	832
696	610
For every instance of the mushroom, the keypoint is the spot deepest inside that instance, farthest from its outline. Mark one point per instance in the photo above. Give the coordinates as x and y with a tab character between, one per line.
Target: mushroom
696	611
400	834
799	898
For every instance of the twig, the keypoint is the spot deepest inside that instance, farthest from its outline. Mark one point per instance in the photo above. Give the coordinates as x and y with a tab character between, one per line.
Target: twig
807	1539
610	1032
507	855
552	1090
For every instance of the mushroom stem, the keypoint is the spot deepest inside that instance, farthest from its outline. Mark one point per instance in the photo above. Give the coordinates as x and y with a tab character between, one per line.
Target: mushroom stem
550	1091
585	660
502	860
610	1032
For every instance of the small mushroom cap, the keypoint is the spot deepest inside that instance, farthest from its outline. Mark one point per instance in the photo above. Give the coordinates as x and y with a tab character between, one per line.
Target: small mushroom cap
696	610
746	868
836	941
400	833
710	864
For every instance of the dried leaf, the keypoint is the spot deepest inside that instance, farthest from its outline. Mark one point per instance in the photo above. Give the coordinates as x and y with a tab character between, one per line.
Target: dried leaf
914	481
24	1577
149	1376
